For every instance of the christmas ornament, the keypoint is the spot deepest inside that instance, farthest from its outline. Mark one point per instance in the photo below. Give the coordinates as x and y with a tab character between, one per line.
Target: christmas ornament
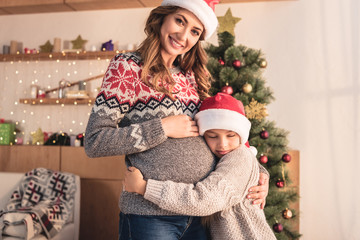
236	64
247	88
80	137
263	63
46	48
264	134
227	23
58	139
107	46
263	159
222	63
255	110
278	227
287	214
280	183
227	89
37	137
286	158
79	43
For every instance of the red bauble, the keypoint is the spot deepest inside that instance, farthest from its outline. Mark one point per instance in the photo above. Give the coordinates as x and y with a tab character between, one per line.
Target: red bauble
278	227
263	159
221	62
264	134
80	136
227	89
236	64
286	158
280	183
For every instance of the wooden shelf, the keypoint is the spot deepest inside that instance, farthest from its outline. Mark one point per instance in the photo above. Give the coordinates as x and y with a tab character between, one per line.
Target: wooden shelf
61	56
57	101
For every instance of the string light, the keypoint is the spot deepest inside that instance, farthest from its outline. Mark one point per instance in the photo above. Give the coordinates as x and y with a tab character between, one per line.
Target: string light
46	75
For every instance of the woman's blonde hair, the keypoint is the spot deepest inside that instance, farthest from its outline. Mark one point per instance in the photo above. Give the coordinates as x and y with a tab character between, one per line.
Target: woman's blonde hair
194	60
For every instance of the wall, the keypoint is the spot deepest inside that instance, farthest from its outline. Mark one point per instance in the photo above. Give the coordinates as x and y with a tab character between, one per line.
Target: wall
312	48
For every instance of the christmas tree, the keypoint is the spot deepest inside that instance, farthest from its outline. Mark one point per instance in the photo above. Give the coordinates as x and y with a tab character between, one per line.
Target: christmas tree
237	70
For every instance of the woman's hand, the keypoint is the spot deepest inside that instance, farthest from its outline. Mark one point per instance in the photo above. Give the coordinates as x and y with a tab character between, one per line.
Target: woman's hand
180	126
260	192
134	181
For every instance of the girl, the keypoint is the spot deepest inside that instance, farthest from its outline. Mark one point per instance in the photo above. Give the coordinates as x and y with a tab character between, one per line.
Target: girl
222	121
145	108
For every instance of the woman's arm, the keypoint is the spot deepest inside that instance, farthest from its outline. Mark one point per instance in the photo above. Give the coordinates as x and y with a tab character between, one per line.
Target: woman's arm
103	137
223	188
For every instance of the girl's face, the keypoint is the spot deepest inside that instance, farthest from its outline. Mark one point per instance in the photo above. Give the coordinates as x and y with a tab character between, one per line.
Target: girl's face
179	32
222	141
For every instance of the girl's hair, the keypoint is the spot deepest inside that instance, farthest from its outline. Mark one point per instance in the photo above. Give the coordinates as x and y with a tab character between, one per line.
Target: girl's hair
194	60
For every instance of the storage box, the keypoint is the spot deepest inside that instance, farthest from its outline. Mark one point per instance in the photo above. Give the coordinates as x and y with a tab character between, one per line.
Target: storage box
7	136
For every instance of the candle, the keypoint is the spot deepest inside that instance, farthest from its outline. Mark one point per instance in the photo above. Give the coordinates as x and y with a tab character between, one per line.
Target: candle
57	45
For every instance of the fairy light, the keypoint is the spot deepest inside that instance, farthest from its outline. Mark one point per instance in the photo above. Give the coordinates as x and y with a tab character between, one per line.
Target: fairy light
45	77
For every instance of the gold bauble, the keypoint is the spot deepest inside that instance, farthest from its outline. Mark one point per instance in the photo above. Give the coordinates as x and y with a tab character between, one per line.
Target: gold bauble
287	214
247	88
263	63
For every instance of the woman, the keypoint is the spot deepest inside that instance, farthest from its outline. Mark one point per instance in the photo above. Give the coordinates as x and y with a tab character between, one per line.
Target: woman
145	109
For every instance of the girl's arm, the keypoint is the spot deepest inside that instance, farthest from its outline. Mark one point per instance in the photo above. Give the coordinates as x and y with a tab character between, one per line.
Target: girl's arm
226	186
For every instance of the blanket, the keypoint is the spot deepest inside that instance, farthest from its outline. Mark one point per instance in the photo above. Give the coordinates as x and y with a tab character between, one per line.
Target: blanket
42	204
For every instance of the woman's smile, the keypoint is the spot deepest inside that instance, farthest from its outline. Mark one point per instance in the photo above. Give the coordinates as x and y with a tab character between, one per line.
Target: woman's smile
175	43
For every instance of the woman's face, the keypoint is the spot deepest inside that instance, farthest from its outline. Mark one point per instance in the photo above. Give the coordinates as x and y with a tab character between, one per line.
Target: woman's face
179	32
222	141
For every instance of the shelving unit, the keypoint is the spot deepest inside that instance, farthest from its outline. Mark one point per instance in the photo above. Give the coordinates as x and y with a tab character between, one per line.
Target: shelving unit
57	101
60	56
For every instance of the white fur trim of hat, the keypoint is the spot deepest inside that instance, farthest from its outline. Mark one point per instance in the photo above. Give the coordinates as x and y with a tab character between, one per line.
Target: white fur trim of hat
223	119
202	9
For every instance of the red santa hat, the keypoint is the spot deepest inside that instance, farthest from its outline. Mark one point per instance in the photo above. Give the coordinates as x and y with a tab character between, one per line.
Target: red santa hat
202	9
223	111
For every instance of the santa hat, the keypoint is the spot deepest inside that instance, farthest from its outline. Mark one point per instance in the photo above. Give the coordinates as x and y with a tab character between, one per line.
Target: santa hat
202	9
223	111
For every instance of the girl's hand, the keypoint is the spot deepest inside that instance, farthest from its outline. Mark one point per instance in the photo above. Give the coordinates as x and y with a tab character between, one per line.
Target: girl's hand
260	192
180	126
134	181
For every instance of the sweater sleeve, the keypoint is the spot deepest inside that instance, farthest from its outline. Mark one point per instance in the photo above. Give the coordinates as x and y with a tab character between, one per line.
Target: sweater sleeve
226	186
103	136
262	169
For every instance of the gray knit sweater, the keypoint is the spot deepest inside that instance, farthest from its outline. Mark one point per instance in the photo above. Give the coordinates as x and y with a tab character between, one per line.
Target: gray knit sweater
126	119
222	193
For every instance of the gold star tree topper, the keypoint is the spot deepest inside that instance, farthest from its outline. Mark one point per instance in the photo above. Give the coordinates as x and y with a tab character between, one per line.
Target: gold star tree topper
227	23
79	43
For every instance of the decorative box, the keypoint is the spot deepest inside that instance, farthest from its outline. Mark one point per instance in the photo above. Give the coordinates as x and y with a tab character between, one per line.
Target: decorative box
7	136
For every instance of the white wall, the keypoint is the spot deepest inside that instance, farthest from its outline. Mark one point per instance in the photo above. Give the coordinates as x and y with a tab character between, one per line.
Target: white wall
312	48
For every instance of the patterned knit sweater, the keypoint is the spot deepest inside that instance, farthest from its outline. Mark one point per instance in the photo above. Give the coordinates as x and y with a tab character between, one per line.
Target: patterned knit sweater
126	119
223	192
